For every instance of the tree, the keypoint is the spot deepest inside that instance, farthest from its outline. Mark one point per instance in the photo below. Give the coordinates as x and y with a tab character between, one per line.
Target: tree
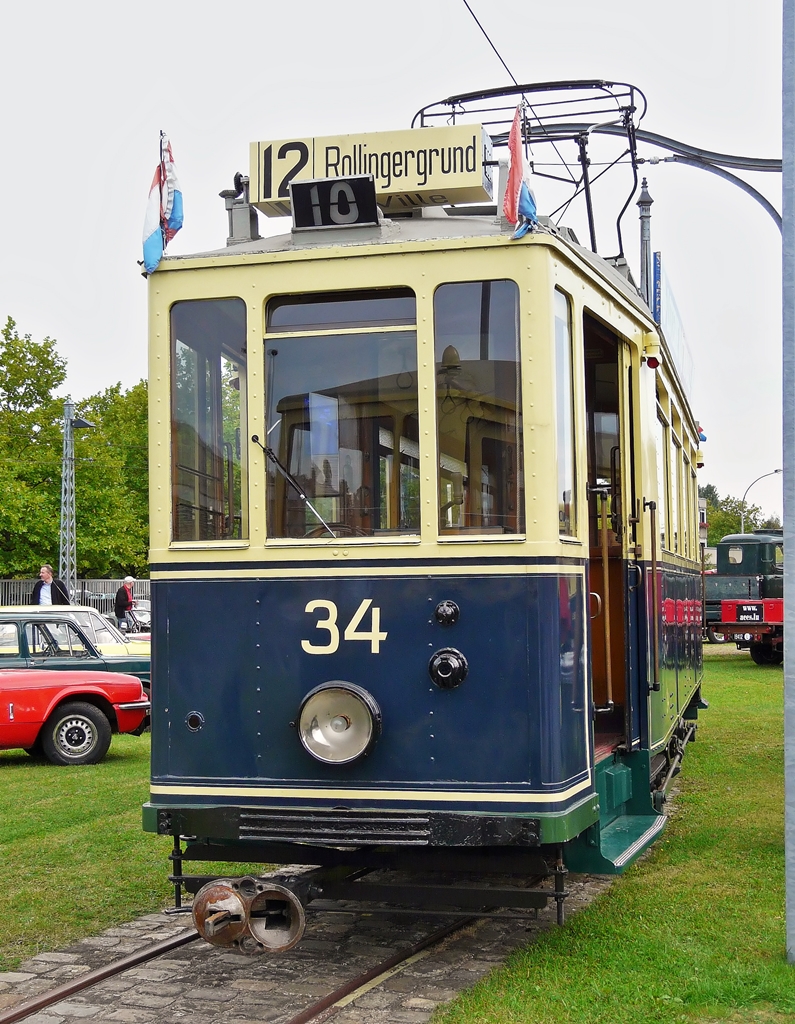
111	484
30	451
111	479
725	515
727	518
710	492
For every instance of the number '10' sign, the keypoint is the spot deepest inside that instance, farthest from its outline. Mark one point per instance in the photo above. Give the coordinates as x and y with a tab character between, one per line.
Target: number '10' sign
334	202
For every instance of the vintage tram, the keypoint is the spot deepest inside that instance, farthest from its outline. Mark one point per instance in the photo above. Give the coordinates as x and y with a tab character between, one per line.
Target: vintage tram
424	544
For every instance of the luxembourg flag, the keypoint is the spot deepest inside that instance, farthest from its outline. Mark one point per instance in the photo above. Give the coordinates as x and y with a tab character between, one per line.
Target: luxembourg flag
519	205
164	210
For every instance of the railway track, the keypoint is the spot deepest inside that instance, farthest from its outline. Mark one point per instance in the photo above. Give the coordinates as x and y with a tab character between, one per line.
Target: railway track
322	1009
351	961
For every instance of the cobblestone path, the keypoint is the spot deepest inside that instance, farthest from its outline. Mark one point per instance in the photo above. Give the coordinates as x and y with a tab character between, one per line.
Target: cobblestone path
200	984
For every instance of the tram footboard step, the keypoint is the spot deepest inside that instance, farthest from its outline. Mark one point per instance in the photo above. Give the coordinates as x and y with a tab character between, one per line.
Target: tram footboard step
625	839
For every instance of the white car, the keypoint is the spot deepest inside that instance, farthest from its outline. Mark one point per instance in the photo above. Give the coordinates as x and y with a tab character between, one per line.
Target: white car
105	637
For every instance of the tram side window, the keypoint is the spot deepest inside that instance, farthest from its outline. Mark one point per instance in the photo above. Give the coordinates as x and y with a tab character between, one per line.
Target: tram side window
564	388
687	502
662	478
695	513
341	413
478	407
208	419
674	464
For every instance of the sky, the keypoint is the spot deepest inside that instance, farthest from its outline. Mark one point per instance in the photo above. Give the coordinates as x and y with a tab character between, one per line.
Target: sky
87	88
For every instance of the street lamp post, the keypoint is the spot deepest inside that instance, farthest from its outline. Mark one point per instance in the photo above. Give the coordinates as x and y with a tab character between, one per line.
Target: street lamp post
748	488
67	565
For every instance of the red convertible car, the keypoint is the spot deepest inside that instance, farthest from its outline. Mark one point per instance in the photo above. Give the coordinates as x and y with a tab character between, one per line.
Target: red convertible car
68	716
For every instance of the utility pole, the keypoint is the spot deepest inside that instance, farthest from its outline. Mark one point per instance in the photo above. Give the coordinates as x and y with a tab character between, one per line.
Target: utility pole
67	564
788	381
646	275
747	489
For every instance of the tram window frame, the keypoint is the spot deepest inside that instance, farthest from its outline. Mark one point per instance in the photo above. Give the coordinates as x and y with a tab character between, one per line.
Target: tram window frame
353	499
209	419
565	415
468	323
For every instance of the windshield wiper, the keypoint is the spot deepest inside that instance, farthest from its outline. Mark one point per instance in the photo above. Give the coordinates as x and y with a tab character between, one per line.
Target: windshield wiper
288	476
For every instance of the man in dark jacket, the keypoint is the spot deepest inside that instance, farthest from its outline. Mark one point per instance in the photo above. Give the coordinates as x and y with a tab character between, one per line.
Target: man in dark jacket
49	590
124	601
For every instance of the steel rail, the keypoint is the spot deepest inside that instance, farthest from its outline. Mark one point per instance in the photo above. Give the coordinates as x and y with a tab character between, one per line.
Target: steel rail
328	1001
69	988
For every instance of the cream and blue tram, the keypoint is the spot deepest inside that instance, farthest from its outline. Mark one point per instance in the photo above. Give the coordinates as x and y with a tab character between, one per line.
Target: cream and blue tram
423	555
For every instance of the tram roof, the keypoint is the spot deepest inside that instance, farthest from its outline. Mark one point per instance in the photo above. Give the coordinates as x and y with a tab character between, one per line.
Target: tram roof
434	224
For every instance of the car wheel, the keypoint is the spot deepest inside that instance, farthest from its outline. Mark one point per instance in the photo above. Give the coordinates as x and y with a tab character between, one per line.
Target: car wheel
764	655
145	726
76	733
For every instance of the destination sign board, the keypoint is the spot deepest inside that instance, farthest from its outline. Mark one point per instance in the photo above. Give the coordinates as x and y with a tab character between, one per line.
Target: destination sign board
411	168
334	203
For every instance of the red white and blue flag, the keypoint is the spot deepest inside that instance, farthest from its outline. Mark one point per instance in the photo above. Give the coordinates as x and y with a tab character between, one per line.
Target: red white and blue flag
519	205
164	210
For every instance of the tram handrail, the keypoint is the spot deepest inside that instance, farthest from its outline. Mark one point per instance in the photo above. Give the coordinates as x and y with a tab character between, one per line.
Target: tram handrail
606	591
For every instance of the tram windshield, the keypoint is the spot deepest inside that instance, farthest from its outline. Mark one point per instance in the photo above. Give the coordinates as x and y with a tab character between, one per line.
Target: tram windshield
478	407
341	414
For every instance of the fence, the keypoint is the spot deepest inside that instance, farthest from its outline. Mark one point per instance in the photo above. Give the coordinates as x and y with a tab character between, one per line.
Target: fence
98	594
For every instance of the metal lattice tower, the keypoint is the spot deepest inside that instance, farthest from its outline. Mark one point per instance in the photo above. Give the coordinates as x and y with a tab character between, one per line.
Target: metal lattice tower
67	563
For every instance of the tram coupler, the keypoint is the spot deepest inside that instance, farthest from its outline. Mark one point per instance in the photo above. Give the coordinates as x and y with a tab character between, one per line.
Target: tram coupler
252	914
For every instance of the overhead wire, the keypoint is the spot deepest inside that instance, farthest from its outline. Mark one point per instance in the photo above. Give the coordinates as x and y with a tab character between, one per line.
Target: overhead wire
491	44
513	79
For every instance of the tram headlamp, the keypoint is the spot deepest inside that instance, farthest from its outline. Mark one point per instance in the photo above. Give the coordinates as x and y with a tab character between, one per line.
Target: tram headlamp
338	722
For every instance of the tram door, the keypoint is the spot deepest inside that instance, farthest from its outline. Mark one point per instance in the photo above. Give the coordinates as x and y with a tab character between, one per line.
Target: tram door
613	578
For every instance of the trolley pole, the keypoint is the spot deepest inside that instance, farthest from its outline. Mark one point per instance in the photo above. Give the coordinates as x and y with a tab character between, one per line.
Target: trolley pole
788	380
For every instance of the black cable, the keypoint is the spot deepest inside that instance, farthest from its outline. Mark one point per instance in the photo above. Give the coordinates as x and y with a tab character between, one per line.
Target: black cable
491	44
513	79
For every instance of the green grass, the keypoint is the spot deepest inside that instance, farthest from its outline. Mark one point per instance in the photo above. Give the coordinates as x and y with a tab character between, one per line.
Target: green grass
695	931
72	852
